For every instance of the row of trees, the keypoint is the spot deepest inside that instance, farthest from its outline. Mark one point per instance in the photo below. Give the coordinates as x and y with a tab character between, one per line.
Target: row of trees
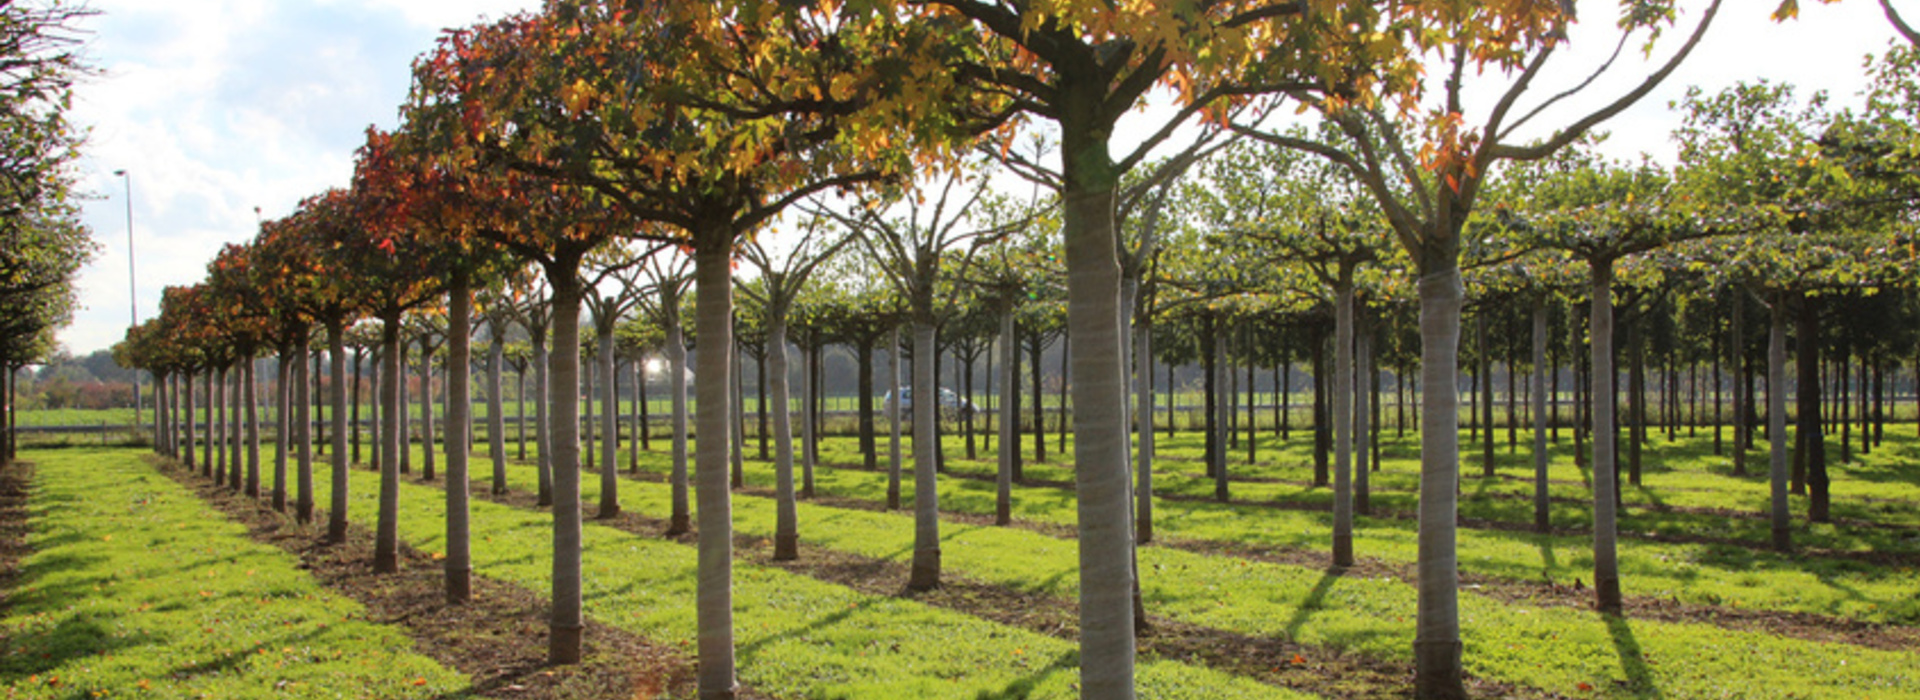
634	153
42	242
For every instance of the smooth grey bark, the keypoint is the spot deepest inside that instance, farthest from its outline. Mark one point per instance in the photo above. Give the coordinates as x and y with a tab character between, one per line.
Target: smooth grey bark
1343	419
302	436
1221	406
1606	562
1541	521
807	450
1143	461
393	441
496	407
681	519
459	562
1737	353
217	432
565	625
786	527
1436	641
399	408
543	410
713	288
736	425
1009	426
427	461
337	359
609	425
251	397
926	447
1777	422
893	420
1099	394
1363	413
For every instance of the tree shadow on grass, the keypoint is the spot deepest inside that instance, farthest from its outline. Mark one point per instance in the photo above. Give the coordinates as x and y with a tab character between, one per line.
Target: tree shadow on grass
1639	673
1024	686
73	639
1315	600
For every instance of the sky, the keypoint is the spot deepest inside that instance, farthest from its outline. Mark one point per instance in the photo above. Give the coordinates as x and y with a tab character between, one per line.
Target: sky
218	107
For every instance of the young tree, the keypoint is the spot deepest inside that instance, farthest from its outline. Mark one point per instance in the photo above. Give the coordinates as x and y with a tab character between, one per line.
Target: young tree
777	288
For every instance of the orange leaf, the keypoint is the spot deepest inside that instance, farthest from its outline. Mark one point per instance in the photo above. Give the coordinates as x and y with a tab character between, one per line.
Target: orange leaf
1298	659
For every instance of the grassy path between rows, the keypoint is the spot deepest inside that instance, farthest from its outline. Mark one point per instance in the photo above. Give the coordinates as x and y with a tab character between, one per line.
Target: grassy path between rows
1703	574
1555	649
795	636
136	588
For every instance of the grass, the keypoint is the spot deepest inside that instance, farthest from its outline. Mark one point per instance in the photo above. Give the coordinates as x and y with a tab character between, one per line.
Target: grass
796	636
135	587
1716	574
1554	649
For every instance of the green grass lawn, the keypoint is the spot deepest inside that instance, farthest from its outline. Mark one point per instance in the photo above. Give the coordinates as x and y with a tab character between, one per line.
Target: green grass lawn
136	588
796	636
1554	649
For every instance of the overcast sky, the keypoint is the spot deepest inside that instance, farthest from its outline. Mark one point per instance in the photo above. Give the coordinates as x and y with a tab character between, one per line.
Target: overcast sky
216	107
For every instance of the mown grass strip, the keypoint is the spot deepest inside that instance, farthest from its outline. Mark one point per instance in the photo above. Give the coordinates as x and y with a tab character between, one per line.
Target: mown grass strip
136	586
796	636
1554	649
1705	574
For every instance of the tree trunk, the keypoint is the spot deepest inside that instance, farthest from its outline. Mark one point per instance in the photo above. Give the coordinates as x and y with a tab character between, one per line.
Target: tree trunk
283	428
1009	425
893	420
427	442
966	420
496	408
1606	564
1436	644
459	562
1253	451
1485	380
681	520
564	622
786	528
353	397
251	399
1541	522
1210	369
399	408
386	542
736	423
1810	431
1322	435
1737	350
609	425
1100	448
869	447
1143	463
1343	419
543	403
760	382
806	419
1777	420
1637	396
926	446
644	429
520	412
337	513
713	284
217	431
1039	402
1218	424
302	435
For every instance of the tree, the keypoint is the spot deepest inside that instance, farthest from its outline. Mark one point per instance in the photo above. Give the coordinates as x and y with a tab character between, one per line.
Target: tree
908	248
1425	166
777	288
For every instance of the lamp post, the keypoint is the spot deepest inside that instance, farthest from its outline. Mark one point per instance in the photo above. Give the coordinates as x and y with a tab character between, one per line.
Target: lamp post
133	293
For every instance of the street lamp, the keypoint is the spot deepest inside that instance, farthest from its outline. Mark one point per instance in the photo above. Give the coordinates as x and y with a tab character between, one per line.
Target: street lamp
133	293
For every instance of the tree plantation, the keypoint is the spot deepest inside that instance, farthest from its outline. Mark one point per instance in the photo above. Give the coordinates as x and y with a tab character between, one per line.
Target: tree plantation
997	349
